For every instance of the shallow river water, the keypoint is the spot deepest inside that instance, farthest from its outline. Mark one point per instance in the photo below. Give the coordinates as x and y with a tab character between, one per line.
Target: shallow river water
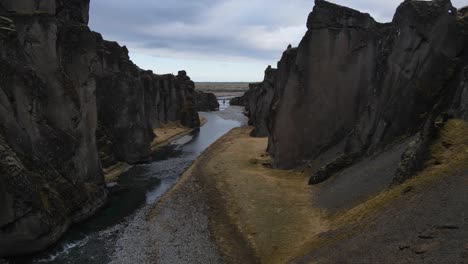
140	187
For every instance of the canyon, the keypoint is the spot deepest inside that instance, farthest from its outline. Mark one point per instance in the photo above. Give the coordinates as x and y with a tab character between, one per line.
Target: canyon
356	147
373	117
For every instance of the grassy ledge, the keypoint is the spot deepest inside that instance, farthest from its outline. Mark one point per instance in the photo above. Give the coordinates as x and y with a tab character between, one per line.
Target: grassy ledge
258	214
449	156
165	135
255	210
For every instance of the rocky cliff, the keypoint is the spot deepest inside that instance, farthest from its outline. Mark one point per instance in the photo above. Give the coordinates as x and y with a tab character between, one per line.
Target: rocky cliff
354	86
258	103
59	82
132	102
244	99
206	102
261	100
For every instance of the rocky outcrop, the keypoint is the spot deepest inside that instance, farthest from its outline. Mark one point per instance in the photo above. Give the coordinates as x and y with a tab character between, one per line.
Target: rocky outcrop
355	86
460	102
244	99
60	85
132	102
238	101
206	102
50	174
258	103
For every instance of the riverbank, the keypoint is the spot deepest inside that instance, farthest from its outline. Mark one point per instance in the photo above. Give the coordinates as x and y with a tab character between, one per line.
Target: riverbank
231	200
170	132
165	135
256	214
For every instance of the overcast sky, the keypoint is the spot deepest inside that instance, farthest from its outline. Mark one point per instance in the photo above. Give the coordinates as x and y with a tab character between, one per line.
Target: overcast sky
214	40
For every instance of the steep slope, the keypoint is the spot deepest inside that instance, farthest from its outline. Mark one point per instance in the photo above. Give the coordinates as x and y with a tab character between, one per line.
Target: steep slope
58	81
50	171
132	102
206	102
363	84
354	86
376	115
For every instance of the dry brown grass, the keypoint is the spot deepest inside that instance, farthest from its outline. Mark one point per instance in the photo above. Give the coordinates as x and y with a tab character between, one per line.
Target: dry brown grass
170	132
113	173
449	156
271	209
165	135
268	214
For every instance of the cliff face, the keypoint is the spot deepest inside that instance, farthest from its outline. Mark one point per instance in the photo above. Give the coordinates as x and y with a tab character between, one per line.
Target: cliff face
50	171
460	101
132	102
206	102
354	86
58	81
258	103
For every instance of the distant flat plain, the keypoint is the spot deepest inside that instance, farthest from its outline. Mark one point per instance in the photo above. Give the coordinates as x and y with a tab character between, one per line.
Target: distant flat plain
223	90
216	87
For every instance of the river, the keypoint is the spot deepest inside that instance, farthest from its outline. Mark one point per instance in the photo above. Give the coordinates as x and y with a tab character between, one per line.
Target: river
136	192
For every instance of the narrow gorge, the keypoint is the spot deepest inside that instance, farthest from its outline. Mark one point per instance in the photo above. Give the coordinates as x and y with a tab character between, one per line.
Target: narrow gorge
353	149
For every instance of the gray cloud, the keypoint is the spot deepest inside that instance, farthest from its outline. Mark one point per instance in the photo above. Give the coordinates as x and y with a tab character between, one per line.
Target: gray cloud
207	29
203	28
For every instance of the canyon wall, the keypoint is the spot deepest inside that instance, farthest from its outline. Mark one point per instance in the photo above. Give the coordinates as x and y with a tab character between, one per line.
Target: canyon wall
132	102
354	86
258	104
206	102
60	84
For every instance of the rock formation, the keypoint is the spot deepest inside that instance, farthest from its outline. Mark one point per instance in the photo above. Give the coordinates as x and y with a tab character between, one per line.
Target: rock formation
244	99
259	99
140	101
257	102
354	86
238	101
206	102
58	82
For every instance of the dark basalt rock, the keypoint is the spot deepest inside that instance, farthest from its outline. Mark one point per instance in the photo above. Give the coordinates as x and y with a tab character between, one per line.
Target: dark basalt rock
238	101
257	102
58	81
50	173
244	99
132	102
206	102
340	163
187	111
355	85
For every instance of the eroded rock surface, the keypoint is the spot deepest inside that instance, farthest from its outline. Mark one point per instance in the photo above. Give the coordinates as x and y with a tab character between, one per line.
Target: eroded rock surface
355	86
58	81
132	102
50	171
206	102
